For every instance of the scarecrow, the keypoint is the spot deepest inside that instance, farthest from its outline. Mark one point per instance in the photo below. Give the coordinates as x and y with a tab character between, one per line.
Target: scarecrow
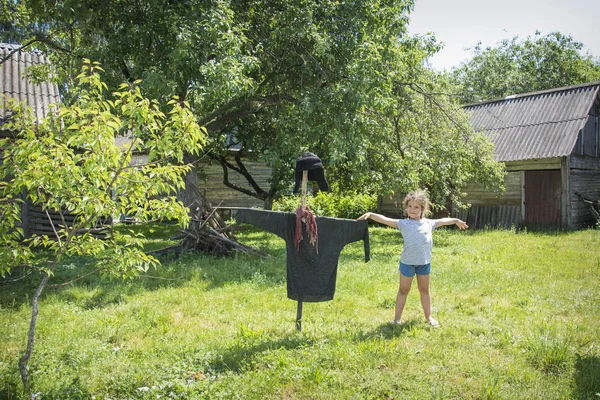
313	244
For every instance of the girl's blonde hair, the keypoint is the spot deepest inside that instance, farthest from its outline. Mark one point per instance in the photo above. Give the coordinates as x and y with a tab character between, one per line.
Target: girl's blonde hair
420	197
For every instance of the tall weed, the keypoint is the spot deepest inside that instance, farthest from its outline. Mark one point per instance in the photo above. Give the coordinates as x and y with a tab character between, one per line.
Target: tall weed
549	350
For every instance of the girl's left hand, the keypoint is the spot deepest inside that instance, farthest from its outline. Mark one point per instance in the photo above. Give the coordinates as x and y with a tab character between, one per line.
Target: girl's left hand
461	224
364	217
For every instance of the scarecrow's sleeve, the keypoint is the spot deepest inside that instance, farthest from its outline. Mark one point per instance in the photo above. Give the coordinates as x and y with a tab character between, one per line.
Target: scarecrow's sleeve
340	232
362	232
270	221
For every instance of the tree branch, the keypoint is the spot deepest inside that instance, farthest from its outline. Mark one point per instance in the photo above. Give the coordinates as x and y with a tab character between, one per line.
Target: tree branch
37	37
16	50
54	229
74	280
432	97
225	165
240	108
240	168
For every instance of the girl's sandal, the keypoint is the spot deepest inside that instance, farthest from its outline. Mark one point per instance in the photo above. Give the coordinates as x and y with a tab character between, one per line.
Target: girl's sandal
433	323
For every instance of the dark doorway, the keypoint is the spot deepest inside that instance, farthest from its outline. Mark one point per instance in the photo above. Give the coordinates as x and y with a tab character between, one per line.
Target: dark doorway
542	199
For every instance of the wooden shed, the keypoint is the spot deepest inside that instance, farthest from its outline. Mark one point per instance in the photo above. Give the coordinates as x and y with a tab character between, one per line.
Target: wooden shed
549	142
14	84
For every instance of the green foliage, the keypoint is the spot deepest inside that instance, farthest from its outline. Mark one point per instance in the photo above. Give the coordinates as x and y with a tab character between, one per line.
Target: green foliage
330	204
341	79
524	65
69	163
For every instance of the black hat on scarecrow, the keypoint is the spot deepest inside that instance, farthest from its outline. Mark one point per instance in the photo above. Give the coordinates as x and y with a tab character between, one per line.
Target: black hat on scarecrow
311	163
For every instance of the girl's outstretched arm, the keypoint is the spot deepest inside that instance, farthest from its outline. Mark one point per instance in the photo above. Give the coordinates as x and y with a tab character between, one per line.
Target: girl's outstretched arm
379	218
451	221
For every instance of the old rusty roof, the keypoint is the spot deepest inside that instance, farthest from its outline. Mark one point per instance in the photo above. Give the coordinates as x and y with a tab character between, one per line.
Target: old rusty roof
535	125
14	84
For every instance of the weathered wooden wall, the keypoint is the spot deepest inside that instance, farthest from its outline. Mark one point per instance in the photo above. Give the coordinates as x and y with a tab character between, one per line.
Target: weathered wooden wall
491	210
211	178
35	220
487	208
391	206
588	138
584	179
530	165
581	177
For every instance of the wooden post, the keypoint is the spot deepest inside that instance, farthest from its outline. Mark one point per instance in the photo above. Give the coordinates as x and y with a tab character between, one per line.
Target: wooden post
299	316
302	206
304	182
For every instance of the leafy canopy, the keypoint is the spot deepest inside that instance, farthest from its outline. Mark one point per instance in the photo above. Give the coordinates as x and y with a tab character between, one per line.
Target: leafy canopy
341	79
70	163
524	65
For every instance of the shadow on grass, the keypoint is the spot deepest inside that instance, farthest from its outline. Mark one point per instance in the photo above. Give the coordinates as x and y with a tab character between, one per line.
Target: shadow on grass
74	390
240	356
96	291
390	331
587	377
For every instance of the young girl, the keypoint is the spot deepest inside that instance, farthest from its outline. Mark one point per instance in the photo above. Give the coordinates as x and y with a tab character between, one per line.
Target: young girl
416	254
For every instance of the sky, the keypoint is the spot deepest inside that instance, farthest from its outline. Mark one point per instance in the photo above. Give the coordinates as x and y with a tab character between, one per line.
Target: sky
460	24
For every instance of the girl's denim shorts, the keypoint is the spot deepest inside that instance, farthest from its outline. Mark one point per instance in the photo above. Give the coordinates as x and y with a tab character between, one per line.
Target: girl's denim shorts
411	270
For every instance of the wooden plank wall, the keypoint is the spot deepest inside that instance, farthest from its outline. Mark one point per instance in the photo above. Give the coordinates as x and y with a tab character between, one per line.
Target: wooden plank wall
584	178
37	221
215	191
529	165
391	206
489	210
479	195
483	217
589	138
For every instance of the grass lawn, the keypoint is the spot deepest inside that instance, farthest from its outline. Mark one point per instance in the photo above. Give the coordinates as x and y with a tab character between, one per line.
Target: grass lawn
520	317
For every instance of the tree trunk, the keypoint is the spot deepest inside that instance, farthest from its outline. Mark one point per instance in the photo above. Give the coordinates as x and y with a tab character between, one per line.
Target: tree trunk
191	196
269	202
31	337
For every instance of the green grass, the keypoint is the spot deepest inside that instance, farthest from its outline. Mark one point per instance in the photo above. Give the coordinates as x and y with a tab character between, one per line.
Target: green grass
519	311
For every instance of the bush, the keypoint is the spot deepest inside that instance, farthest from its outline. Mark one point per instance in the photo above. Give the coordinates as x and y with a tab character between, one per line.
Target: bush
330	204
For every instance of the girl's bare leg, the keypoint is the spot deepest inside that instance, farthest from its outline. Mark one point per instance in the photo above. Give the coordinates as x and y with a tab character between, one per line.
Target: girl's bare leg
403	290
423	284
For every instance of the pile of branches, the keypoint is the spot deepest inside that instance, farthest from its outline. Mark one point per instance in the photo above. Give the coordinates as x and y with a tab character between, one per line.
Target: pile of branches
210	235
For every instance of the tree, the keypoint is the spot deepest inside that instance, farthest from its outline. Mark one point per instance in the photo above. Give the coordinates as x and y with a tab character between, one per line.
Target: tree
278	79
519	66
422	139
398	129
69	163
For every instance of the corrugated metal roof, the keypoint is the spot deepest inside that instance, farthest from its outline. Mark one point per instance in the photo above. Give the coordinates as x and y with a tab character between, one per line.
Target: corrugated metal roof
14	84
535	125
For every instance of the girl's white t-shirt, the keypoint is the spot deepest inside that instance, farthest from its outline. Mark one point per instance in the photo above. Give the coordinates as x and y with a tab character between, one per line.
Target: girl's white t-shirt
418	240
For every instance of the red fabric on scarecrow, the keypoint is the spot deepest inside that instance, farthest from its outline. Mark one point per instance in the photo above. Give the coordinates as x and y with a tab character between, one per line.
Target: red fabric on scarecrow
311	227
